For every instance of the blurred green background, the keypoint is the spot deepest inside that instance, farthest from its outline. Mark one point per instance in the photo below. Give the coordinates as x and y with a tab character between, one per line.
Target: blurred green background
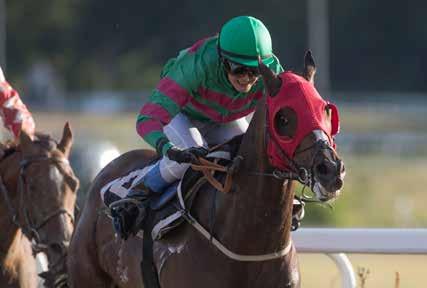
94	63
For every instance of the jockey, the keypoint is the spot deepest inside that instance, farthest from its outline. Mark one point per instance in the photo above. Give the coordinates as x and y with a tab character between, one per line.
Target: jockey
202	98
13	112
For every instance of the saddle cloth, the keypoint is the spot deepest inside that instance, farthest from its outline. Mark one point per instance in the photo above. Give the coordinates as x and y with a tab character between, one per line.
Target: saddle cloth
169	207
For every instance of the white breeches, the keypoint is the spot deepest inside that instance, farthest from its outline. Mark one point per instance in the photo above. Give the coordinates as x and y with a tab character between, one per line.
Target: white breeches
185	133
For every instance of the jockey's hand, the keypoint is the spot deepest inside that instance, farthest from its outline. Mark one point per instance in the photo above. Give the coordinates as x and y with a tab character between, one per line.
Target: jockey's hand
189	155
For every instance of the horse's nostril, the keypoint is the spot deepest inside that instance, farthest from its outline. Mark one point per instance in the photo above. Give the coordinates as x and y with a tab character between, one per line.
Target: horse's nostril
322	169
338	184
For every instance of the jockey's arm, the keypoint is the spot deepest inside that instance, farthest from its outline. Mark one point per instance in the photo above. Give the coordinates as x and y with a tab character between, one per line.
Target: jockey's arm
172	93
13	111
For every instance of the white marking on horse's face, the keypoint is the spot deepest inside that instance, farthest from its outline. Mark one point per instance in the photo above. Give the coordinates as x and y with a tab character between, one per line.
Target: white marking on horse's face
55	175
55	178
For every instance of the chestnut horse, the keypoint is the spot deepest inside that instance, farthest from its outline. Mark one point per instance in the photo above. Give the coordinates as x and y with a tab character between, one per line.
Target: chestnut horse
38	194
251	244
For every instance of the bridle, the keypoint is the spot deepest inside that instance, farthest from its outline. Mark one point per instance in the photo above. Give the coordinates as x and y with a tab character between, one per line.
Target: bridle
28	226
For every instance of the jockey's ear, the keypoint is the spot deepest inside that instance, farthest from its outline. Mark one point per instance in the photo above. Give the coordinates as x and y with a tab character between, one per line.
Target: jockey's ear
66	141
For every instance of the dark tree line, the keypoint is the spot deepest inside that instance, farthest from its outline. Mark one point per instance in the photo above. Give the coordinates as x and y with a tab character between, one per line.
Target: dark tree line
375	45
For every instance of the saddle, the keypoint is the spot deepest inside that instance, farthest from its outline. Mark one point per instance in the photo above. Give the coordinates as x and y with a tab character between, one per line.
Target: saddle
168	208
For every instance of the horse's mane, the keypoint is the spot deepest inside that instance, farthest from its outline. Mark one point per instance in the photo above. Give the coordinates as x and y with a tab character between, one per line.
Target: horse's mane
43	139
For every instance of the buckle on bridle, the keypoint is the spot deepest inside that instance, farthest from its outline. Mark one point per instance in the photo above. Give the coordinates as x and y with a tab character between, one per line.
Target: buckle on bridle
304	176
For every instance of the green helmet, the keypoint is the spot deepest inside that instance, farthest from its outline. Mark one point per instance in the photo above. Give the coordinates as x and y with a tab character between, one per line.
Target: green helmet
244	38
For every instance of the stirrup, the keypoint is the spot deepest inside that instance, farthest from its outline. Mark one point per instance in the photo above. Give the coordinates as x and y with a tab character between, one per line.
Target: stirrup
128	216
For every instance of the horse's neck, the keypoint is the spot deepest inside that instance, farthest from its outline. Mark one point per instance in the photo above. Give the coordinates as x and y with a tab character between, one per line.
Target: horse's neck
258	213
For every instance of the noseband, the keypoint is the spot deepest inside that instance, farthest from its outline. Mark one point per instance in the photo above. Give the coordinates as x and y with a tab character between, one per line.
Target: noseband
296	171
29	227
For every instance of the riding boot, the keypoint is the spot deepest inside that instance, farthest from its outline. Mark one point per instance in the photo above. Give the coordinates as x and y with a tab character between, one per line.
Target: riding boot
129	213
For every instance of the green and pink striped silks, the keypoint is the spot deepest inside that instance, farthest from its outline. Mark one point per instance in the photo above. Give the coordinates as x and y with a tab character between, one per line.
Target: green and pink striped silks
195	84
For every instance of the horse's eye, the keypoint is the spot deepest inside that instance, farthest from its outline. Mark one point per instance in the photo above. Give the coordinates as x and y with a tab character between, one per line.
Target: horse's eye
285	122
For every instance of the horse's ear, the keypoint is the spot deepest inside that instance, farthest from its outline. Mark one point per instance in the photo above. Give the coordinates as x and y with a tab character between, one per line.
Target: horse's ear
25	141
309	67
271	81
66	141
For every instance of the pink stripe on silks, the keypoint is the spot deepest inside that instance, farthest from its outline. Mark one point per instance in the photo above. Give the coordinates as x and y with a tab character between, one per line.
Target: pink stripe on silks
156	111
197	45
173	90
238	115
217	117
228	102
210	113
148	126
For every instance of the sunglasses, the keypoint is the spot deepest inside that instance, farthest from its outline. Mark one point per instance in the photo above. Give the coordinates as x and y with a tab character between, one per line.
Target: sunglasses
240	70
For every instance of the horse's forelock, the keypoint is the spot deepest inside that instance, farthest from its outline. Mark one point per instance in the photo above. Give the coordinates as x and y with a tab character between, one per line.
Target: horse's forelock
46	141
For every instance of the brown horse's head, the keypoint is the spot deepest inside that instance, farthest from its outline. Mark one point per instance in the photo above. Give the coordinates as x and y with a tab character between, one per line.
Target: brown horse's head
302	126
47	189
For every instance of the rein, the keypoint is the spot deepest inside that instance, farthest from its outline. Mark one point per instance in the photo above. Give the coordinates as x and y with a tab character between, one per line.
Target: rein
208	169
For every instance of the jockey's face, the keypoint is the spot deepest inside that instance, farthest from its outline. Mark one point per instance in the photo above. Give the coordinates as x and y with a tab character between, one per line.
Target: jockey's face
242	82
241	77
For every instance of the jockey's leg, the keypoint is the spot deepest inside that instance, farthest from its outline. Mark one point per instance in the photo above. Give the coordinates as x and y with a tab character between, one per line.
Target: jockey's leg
220	133
183	134
126	212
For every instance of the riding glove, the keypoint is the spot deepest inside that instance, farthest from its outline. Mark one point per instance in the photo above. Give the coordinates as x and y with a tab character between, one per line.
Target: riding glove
186	156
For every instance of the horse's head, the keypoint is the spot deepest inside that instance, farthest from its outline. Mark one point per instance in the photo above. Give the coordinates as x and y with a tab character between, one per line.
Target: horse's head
302	126
47	187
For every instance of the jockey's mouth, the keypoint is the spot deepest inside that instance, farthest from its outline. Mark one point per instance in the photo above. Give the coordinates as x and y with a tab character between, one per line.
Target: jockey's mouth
246	81
242	83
